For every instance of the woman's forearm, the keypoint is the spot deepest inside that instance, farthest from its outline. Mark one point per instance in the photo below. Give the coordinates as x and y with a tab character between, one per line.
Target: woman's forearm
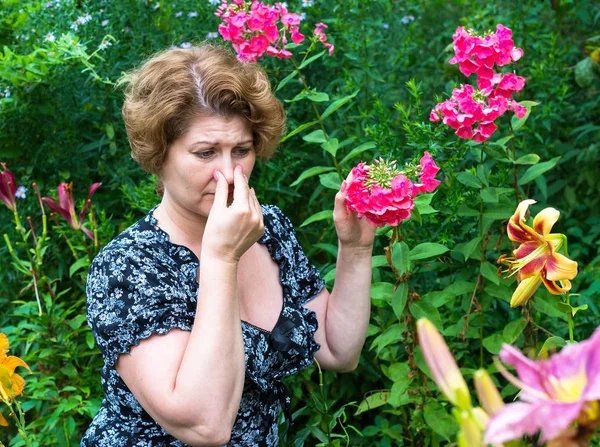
210	379
349	305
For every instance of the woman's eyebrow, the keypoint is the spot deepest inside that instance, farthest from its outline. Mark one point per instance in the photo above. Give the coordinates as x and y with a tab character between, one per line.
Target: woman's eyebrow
216	143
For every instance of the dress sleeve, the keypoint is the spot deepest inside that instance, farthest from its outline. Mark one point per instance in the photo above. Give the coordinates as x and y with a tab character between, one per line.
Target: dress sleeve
304	277
131	296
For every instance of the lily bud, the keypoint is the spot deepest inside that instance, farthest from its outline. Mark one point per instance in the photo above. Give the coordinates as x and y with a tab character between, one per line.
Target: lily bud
443	367
487	393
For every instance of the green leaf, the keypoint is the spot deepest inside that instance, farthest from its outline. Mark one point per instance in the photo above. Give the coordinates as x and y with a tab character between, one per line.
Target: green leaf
529	159
377	399
586	72
483	174
517	123
512	330
399	396
321	215
468	179
495	151
317	136
552	344
287	79
391	335
331	146
318	97
315	170
493	343
331	180
311	59
427	250
378	261
358	150
382	291
399	299
465	211
568	309
423	309
400	258
298	129
490	271
498	212
337	104
438	419
79	264
535	171
489	195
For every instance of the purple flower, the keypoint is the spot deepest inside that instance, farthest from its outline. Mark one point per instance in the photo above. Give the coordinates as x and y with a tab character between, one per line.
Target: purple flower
555	393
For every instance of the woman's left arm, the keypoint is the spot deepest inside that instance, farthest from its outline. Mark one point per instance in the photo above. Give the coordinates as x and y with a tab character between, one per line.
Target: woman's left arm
343	314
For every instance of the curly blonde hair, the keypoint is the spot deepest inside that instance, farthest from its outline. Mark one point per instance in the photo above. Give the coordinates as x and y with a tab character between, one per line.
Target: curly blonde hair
174	86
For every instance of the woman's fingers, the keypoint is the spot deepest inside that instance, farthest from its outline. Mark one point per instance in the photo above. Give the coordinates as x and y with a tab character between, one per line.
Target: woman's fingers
222	190
254	203
240	186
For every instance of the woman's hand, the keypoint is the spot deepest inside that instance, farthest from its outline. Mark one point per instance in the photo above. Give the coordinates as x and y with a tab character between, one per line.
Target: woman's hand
230	231
352	232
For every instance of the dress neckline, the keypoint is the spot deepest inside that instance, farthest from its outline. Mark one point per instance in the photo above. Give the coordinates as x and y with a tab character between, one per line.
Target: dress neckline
265	239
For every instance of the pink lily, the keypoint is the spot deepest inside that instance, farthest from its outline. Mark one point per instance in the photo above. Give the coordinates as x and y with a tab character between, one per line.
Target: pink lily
556	393
8	188
537	259
66	206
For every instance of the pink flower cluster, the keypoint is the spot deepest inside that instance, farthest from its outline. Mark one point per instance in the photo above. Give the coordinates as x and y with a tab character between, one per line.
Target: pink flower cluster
468	107
254	29
322	37
384	195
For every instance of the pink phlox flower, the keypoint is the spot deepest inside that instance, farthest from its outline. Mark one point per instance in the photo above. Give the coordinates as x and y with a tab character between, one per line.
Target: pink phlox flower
384	195
427	181
555	393
476	54
66	206
290	19
330	47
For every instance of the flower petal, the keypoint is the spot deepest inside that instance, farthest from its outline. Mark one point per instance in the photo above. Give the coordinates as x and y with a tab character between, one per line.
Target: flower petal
93	189
55	208
530	373
556	289
487	393
517	230
3	346
12	362
545	220
512	422
560	267
18	383
3	422
443	367
525	290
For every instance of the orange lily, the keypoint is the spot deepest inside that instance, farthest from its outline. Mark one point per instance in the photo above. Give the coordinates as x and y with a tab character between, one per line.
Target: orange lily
11	384
537	259
3	421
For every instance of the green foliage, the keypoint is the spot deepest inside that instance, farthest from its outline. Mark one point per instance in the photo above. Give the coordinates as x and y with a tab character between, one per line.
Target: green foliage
60	121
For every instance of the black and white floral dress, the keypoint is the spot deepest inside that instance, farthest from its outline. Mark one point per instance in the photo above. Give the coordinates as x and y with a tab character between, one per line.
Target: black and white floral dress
141	284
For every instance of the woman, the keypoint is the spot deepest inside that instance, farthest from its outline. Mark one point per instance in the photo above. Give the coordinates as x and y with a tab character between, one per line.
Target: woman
202	306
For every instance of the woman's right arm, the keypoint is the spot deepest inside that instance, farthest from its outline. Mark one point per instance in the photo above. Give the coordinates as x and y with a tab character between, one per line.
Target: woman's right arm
191	382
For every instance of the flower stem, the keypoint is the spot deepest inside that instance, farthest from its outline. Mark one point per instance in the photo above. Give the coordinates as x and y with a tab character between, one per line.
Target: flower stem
570	317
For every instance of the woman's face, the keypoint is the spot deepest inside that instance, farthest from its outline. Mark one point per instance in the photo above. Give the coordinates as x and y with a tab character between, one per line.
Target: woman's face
210	143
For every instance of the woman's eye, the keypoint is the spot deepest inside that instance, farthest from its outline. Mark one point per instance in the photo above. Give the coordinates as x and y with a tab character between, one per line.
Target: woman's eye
243	151
204	154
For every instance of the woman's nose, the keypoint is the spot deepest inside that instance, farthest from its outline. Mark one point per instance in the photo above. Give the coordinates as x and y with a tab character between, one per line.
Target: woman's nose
227	167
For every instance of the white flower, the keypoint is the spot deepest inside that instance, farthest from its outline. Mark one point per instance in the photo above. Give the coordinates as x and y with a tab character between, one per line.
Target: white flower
156	6
307	3
386	26
302	16
20	192
284	4
214	2
104	22
104	45
407	19
212	35
74	26
50	37
178	14
185	45
193	14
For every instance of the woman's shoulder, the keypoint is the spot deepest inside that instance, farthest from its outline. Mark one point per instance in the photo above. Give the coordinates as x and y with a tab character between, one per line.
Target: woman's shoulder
140	240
